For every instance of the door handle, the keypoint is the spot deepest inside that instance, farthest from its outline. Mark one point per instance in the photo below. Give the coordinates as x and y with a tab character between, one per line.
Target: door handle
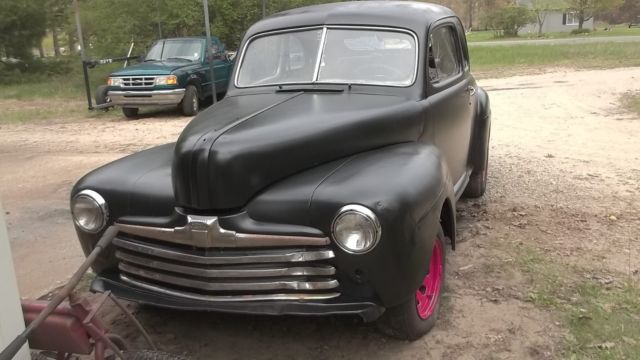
471	90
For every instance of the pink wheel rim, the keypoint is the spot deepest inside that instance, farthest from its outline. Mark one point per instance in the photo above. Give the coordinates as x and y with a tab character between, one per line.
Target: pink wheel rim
428	293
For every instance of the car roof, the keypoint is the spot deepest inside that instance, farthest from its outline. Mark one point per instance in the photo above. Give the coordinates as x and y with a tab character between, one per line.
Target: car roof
415	16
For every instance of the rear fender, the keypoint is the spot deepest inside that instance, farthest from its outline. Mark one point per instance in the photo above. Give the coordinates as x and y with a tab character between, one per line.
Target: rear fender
481	130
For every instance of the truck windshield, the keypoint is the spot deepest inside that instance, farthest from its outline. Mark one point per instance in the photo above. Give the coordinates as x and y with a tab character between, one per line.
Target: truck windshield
330	55
178	50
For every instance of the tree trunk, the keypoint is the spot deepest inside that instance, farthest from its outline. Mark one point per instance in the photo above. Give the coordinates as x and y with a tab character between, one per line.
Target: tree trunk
580	19
540	23
71	42
56	41
41	49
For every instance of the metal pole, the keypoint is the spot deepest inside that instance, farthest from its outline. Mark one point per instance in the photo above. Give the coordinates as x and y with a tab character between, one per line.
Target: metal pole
79	29
205	5
87	88
264	8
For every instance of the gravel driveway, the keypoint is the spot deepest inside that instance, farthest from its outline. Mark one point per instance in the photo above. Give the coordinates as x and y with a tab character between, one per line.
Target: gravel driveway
564	179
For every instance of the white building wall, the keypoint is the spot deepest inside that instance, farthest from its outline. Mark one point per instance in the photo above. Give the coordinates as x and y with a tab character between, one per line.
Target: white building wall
554	23
11	321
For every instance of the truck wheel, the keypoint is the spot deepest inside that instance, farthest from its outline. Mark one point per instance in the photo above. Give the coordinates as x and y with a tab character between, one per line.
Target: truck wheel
190	105
130	112
101	95
417	316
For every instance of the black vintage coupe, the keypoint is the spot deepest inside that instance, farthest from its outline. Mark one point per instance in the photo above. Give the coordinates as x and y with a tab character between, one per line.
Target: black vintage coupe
324	183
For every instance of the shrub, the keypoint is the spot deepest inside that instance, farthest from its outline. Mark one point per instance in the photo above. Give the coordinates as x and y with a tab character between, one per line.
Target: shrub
510	20
580	31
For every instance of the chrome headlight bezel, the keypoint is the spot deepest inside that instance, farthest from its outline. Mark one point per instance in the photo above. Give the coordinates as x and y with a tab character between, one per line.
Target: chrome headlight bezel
165	80
367	216
114	81
99	205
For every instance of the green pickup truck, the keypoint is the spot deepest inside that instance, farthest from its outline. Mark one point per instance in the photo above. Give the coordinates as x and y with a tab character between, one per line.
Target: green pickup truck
174	72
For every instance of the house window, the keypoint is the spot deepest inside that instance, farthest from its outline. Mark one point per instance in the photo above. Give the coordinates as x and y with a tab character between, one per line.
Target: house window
571	18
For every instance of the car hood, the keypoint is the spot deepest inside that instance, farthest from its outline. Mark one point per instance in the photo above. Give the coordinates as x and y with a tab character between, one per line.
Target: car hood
151	68
236	148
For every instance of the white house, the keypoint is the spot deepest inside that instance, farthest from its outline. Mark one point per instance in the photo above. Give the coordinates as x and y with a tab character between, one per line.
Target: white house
560	20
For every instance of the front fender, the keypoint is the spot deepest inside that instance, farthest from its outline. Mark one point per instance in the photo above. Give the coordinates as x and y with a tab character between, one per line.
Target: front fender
404	184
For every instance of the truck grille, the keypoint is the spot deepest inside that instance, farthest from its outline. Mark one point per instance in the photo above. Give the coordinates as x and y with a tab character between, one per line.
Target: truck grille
217	274
138	81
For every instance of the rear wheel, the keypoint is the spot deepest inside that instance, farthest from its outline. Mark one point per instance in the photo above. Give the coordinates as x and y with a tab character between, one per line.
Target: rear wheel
190	104
417	316
129	112
478	180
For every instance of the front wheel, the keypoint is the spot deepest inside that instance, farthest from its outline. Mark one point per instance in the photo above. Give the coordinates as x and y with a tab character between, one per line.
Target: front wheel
190	105
130	113
417	316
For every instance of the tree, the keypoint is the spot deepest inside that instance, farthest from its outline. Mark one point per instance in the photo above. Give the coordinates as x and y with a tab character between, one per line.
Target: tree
541	8
22	26
586	9
510	19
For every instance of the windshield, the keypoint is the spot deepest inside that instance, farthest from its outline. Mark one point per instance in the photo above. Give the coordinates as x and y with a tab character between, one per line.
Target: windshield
348	56
185	50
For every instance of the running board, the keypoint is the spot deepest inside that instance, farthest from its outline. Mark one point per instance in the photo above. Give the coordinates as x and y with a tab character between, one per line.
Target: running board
461	184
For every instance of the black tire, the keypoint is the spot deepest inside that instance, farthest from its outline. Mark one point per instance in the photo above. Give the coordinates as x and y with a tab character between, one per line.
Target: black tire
478	180
190	104
403	321
151	355
130	113
101	95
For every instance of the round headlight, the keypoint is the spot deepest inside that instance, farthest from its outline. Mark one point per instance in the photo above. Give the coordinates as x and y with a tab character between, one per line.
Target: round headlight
89	211
356	229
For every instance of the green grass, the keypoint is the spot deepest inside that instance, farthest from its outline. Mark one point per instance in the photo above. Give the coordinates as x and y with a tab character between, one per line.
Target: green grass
71	85
620	30
597	55
631	102
602	317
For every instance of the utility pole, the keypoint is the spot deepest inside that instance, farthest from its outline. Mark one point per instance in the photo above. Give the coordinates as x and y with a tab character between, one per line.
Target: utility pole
83	55
205	5
470	15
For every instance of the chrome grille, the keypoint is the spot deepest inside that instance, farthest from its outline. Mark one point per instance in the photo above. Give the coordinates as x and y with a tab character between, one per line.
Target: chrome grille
138	81
224	274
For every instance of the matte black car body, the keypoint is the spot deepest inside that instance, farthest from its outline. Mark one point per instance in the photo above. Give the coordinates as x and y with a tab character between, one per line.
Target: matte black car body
283	160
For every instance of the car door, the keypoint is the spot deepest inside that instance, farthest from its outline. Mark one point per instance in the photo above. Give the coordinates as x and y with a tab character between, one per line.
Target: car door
221	68
450	97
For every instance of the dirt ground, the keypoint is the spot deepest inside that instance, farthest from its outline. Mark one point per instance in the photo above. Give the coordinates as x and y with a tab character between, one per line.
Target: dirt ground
564	180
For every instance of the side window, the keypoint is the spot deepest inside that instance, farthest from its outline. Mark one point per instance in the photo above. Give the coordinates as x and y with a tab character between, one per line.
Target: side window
444	62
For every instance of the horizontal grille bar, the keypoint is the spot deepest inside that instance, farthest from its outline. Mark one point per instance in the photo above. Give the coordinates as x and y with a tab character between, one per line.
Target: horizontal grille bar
240	285
266	256
228	272
227	298
206	232
138	81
